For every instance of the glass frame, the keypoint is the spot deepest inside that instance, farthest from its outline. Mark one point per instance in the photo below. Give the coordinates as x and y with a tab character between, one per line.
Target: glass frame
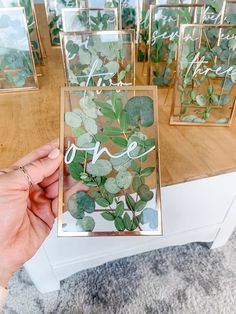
210	101
82	35
22	19
33	32
77	10
67	102
151	63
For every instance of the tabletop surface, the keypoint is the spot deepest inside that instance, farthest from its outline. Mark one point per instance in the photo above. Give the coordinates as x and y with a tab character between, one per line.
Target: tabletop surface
31	119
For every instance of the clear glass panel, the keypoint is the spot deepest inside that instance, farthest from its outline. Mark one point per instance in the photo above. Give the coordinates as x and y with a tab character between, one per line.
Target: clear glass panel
16	60
205	90
165	25
110	138
53	10
99	58
230	12
75	20
31	23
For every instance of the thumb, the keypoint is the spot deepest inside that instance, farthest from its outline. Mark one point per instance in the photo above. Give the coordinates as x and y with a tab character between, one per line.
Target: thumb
40	169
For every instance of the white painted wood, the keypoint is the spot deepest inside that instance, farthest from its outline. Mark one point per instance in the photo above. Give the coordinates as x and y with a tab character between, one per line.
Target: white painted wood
227	227
196	211
41	272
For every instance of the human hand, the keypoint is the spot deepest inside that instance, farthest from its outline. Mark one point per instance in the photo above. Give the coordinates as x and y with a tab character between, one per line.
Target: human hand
27	213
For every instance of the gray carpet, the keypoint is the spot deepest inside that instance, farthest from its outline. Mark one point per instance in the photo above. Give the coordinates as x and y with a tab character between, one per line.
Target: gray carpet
190	279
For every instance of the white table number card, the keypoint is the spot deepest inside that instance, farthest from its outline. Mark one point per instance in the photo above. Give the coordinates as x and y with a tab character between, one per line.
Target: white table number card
109	138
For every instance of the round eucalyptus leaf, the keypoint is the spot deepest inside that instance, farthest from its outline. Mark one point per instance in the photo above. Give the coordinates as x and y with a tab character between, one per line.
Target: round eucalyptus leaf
144	193
111	186
84	139
86	224
189	118
222	121
101	167
119	224
112	69
73	120
73	209
84	57
140	111
124	179
90	125
201	100
85	202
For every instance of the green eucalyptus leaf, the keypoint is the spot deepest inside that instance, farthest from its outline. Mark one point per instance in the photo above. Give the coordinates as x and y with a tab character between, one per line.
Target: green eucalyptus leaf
140	205
75	169
140	111
101	167
101	138
130	202
111	186
90	125
119	209
73	209
102	202
121	75
120	141
147	171
135	166
188	118
73	120
112	131
222	121
137	181
112	68
144	193
84	57
108	216
86	224
85	202
119	224
124	121
124	179
201	100
84	139
127	221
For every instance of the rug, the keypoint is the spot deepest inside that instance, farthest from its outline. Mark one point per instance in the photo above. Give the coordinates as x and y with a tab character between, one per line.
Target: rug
189	279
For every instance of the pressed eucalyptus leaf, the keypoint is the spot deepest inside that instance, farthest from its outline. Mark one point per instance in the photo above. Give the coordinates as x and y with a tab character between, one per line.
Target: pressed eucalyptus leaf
130	202
127	221
111	186
86	224
124	179
85	202
201	100
90	125
108	216
137	181
147	171
140	111
101	167
144	193
222	121
84	57
102	202
121	75
84	139
140	205
73	120
119	209
112	69
119	224
120	141
73	209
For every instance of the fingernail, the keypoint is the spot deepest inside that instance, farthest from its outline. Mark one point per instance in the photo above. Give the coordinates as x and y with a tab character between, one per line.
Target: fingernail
54	153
